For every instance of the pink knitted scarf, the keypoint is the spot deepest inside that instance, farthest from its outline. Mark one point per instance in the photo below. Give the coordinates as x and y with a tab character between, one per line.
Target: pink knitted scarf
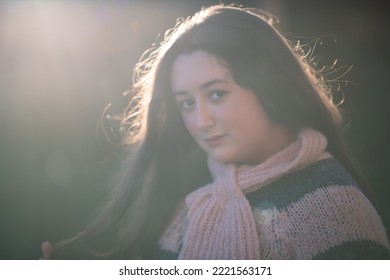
220	219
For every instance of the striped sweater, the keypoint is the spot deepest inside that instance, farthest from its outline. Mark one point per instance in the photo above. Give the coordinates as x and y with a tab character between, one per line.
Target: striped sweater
315	211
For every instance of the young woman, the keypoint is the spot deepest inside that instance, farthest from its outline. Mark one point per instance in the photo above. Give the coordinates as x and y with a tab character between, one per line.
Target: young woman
235	152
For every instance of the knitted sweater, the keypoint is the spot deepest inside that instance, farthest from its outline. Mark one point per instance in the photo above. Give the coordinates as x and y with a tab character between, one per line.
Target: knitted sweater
316	212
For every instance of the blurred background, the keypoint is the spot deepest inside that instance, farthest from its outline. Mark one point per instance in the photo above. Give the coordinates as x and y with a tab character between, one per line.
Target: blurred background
63	62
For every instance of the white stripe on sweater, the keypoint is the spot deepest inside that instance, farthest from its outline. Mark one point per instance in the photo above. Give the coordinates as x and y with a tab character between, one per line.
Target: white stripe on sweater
318	221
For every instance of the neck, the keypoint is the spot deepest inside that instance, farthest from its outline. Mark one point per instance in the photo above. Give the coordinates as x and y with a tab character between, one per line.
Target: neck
282	137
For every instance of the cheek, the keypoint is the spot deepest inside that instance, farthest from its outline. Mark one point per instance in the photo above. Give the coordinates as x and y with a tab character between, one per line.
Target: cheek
189	124
244	126
234	120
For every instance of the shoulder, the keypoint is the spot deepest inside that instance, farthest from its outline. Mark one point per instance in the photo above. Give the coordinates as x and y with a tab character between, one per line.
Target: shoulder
294	186
318	212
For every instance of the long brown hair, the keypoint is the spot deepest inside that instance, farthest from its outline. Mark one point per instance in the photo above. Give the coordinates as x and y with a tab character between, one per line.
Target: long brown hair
163	162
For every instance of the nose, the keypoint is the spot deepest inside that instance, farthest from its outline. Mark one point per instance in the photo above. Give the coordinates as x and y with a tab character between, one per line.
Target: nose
203	116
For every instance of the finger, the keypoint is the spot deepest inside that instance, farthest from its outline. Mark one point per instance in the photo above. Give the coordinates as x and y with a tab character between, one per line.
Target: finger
47	250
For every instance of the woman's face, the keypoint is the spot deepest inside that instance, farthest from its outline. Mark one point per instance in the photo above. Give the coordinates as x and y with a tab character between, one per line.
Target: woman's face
227	121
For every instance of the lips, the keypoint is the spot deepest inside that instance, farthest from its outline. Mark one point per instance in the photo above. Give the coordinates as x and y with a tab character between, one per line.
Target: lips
214	141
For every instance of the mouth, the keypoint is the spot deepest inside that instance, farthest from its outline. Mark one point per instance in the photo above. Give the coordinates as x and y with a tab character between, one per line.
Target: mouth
214	141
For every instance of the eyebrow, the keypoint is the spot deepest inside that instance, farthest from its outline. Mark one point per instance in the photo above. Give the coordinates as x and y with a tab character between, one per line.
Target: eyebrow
204	86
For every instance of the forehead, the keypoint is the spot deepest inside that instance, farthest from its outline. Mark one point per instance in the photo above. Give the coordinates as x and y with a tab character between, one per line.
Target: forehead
191	70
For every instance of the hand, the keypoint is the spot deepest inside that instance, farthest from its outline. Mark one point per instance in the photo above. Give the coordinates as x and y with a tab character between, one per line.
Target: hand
47	250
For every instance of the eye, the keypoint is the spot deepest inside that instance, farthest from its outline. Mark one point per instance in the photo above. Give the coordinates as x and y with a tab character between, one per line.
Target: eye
218	94
186	104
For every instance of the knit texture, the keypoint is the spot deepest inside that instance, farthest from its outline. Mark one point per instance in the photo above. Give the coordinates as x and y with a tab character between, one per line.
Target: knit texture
299	204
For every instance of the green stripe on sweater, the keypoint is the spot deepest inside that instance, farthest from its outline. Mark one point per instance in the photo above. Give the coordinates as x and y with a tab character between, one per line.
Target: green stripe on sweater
356	250
294	186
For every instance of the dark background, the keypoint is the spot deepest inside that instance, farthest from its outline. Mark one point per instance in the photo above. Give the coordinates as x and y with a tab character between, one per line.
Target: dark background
63	62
